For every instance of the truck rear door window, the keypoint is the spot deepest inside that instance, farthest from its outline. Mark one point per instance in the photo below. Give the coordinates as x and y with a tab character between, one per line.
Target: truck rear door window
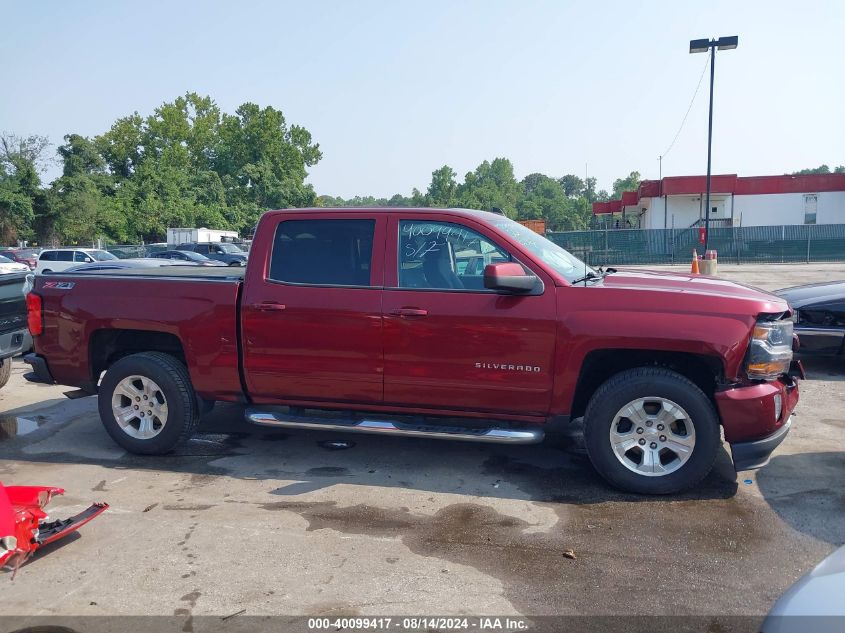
323	252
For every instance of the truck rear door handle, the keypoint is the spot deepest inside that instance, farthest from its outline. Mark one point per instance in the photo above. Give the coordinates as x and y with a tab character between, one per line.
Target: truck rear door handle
270	306
410	312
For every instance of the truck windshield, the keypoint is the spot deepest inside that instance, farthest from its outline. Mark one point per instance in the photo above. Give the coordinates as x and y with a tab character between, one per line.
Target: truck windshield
230	248
562	261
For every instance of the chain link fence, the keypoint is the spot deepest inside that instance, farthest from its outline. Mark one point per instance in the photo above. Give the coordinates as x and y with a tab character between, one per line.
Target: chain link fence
741	245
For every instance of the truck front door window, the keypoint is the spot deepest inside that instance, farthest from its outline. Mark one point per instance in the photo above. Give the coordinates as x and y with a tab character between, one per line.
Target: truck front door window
323	252
444	256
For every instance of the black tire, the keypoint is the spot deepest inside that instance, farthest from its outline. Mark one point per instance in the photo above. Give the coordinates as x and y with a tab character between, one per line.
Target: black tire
651	382
172	378
5	371
46	270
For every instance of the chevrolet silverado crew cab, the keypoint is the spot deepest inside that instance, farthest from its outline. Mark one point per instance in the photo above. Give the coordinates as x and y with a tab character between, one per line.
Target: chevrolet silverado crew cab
384	321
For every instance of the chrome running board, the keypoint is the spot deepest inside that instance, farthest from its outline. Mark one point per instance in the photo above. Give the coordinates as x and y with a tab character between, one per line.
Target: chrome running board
264	417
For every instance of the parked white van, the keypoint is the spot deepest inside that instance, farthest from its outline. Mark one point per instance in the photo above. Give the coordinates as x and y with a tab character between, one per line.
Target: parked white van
54	260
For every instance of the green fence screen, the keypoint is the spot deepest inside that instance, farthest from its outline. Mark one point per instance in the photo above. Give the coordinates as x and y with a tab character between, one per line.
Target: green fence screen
746	244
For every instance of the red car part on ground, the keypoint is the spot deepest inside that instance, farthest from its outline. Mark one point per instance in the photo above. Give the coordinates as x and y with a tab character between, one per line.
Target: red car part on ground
25	526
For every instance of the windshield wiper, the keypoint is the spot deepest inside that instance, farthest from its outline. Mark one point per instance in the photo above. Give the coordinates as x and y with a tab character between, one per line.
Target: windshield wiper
603	272
586	278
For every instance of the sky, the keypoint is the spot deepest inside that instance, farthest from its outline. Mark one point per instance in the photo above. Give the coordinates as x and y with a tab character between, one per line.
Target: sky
393	90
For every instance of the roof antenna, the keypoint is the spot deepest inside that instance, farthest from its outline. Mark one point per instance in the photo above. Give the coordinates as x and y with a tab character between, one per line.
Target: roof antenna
586	257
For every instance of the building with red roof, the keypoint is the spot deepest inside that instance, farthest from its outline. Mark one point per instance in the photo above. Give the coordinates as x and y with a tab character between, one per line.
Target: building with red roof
678	201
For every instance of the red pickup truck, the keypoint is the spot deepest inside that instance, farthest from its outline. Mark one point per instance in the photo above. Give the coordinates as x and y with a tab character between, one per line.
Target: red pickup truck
455	324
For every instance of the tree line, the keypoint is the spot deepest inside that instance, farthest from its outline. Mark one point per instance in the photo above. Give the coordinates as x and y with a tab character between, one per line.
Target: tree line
190	164
186	164
565	203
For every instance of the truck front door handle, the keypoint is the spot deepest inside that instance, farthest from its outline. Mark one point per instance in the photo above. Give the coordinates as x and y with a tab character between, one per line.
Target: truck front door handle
270	306
410	312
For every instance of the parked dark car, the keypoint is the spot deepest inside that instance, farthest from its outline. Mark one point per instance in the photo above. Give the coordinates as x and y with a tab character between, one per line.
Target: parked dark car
14	335
819	316
123	264
187	257
224	252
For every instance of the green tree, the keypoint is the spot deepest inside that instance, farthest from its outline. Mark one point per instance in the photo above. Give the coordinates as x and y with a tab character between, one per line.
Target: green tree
21	160
263	162
572	185
821	169
189	164
629	183
491	186
443	187
543	198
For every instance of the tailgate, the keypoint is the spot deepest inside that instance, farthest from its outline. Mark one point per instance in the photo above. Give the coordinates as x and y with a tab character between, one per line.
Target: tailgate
84	313
12	302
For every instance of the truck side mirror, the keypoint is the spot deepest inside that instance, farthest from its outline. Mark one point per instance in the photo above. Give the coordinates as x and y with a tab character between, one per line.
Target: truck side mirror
508	277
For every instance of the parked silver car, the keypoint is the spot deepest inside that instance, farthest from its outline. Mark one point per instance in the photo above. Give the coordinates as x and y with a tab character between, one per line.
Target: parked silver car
814	604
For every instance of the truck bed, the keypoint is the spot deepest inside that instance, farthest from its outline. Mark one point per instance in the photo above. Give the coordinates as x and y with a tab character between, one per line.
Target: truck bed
180	272
193	310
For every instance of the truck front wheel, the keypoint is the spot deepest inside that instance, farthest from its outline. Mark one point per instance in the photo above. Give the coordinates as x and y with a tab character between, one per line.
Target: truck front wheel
651	431
147	403
5	371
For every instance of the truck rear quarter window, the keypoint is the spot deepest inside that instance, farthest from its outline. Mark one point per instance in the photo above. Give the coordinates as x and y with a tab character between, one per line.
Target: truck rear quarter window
323	252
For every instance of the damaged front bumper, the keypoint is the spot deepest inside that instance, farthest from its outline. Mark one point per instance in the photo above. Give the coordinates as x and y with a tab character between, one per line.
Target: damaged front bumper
756	453
757	417
25	526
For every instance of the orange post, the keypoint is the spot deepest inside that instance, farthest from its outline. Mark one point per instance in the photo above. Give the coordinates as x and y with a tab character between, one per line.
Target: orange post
694	270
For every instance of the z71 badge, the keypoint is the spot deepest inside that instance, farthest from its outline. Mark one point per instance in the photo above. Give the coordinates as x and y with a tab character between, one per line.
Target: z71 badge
59	285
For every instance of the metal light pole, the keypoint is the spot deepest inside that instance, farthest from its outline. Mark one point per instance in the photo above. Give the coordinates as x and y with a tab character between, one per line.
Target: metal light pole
704	46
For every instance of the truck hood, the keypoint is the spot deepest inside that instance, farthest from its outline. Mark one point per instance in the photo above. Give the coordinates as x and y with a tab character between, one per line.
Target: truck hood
698	285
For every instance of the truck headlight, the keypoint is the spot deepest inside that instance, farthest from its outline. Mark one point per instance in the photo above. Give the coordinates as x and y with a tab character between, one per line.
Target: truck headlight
770	351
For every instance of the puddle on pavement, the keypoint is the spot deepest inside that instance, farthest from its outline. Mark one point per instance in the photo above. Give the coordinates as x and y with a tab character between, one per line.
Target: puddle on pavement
334	445
210	445
12	426
327	471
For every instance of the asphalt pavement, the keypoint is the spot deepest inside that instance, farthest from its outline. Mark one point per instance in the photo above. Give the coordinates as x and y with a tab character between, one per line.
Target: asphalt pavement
258	521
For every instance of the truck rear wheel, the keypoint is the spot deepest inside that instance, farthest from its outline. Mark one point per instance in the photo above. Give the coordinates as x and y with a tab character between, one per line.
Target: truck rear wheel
5	371
147	403
651	431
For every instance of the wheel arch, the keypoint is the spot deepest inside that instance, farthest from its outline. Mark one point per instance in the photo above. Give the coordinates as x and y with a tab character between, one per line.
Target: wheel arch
107	346
600	365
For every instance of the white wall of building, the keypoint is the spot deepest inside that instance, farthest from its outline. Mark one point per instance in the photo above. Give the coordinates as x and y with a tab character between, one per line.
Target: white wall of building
751	210
788	208
831	207
682	210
